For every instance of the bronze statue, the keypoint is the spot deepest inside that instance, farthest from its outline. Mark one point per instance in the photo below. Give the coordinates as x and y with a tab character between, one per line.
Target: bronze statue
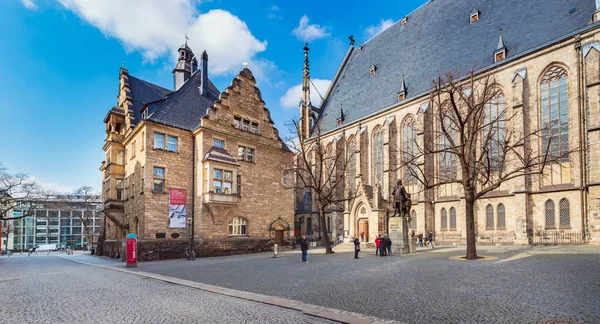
402	200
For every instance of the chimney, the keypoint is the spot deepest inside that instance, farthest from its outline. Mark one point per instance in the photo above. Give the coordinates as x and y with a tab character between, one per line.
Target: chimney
204	71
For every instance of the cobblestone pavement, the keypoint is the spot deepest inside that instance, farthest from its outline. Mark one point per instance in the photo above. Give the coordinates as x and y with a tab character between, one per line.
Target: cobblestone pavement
524	285
51	289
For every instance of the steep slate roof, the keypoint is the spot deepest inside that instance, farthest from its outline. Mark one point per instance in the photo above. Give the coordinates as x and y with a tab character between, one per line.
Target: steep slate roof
143	92
437	39
184	107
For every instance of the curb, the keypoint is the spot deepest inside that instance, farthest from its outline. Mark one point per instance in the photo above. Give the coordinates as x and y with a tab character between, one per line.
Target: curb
331	314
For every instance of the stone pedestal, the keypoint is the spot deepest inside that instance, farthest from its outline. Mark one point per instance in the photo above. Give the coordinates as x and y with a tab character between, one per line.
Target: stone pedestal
398	233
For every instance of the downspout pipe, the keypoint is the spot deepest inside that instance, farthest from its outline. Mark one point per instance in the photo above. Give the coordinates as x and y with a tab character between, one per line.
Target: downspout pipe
582	139
193	184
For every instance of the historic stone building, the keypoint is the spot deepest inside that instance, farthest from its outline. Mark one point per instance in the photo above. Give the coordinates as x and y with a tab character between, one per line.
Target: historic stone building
544	56
194	162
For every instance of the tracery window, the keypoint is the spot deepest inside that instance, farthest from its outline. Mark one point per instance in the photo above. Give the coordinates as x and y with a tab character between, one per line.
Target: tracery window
489	217
564	213
501	221
444	220
452	219
550	214
555	113
447	159
409	150
378	156
351	162
494	132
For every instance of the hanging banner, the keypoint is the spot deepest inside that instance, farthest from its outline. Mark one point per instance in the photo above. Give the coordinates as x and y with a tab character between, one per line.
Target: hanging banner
177	208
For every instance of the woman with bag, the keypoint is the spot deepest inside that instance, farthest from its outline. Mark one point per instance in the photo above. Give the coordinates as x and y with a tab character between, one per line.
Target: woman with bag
356	247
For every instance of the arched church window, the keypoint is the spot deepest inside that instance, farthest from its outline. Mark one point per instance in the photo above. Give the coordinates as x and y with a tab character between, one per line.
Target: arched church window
444	220
378	156
409	150
555	113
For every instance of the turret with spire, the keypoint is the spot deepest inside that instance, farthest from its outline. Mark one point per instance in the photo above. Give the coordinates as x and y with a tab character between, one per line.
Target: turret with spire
305	104
185	65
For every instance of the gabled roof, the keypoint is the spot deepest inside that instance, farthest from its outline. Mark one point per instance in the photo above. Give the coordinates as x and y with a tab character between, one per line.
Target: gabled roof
143	92
220	155
184	107
438	38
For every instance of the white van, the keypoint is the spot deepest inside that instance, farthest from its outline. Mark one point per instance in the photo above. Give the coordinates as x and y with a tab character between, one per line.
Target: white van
47	247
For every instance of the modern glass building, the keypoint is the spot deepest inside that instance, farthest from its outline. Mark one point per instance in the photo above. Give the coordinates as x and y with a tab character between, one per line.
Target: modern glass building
56	220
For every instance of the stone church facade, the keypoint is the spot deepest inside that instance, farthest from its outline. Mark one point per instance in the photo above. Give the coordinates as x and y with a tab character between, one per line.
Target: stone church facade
544	56
194	163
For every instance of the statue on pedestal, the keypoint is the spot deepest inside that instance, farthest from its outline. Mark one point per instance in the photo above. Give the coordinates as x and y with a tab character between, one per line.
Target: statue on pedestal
402	200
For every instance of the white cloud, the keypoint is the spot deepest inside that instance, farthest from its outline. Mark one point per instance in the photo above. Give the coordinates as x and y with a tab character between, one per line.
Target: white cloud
376	29
52	186
156	28
306	32
29	4
292	96
272	12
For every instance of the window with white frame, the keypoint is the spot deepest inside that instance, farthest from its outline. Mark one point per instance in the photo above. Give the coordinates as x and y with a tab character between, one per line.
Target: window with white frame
171	143
159	179
159	141
237	226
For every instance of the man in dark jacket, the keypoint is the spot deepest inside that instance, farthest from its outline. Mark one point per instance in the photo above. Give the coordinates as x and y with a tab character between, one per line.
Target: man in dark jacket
383	246
430	239
304	248
356	247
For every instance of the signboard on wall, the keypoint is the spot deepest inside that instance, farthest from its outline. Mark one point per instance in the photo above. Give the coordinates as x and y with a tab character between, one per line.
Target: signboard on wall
177	208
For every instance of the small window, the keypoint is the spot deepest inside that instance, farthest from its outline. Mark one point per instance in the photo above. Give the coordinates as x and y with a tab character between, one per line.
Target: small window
241	153
250	155
239	185
404	21
255	128
145	114
172	144
160	235
246	125
218	143
372	70
401	96
222	181
237	122
500	56
159	179
474	16
159	141
237	226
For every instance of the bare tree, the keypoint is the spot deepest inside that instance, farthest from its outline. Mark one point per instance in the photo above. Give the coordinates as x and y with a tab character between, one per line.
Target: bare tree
8	228
83	203
476	143
14	189
320	169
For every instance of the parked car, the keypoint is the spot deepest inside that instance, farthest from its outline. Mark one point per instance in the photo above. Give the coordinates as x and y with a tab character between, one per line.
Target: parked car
4	252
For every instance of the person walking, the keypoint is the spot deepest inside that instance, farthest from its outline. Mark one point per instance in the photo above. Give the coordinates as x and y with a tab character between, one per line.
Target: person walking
389	246
356	247
362	235
377	244
304	248
420	240
430	239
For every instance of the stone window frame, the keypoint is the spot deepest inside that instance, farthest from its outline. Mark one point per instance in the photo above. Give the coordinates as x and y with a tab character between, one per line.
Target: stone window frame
443	219
246	125
246	156
550	214
121	157
377	156
169	137
489	217
409	147
501	216
215	140
161	146
564	214
452	216
495	155
158	178
237	226
558	74
222	181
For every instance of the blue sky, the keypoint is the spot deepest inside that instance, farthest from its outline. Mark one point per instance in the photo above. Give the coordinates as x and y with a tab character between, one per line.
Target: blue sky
60	59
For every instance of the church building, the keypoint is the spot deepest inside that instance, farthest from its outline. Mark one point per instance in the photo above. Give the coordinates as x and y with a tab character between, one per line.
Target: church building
544	56
193	163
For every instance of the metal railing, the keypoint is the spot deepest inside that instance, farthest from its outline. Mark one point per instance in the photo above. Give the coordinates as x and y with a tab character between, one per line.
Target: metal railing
557	237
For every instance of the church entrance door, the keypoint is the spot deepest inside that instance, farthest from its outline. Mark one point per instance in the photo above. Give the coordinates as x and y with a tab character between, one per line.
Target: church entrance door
279	235
363	226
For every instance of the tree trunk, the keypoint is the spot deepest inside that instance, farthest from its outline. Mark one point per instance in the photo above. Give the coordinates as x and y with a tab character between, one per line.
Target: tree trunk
470	220
325	236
